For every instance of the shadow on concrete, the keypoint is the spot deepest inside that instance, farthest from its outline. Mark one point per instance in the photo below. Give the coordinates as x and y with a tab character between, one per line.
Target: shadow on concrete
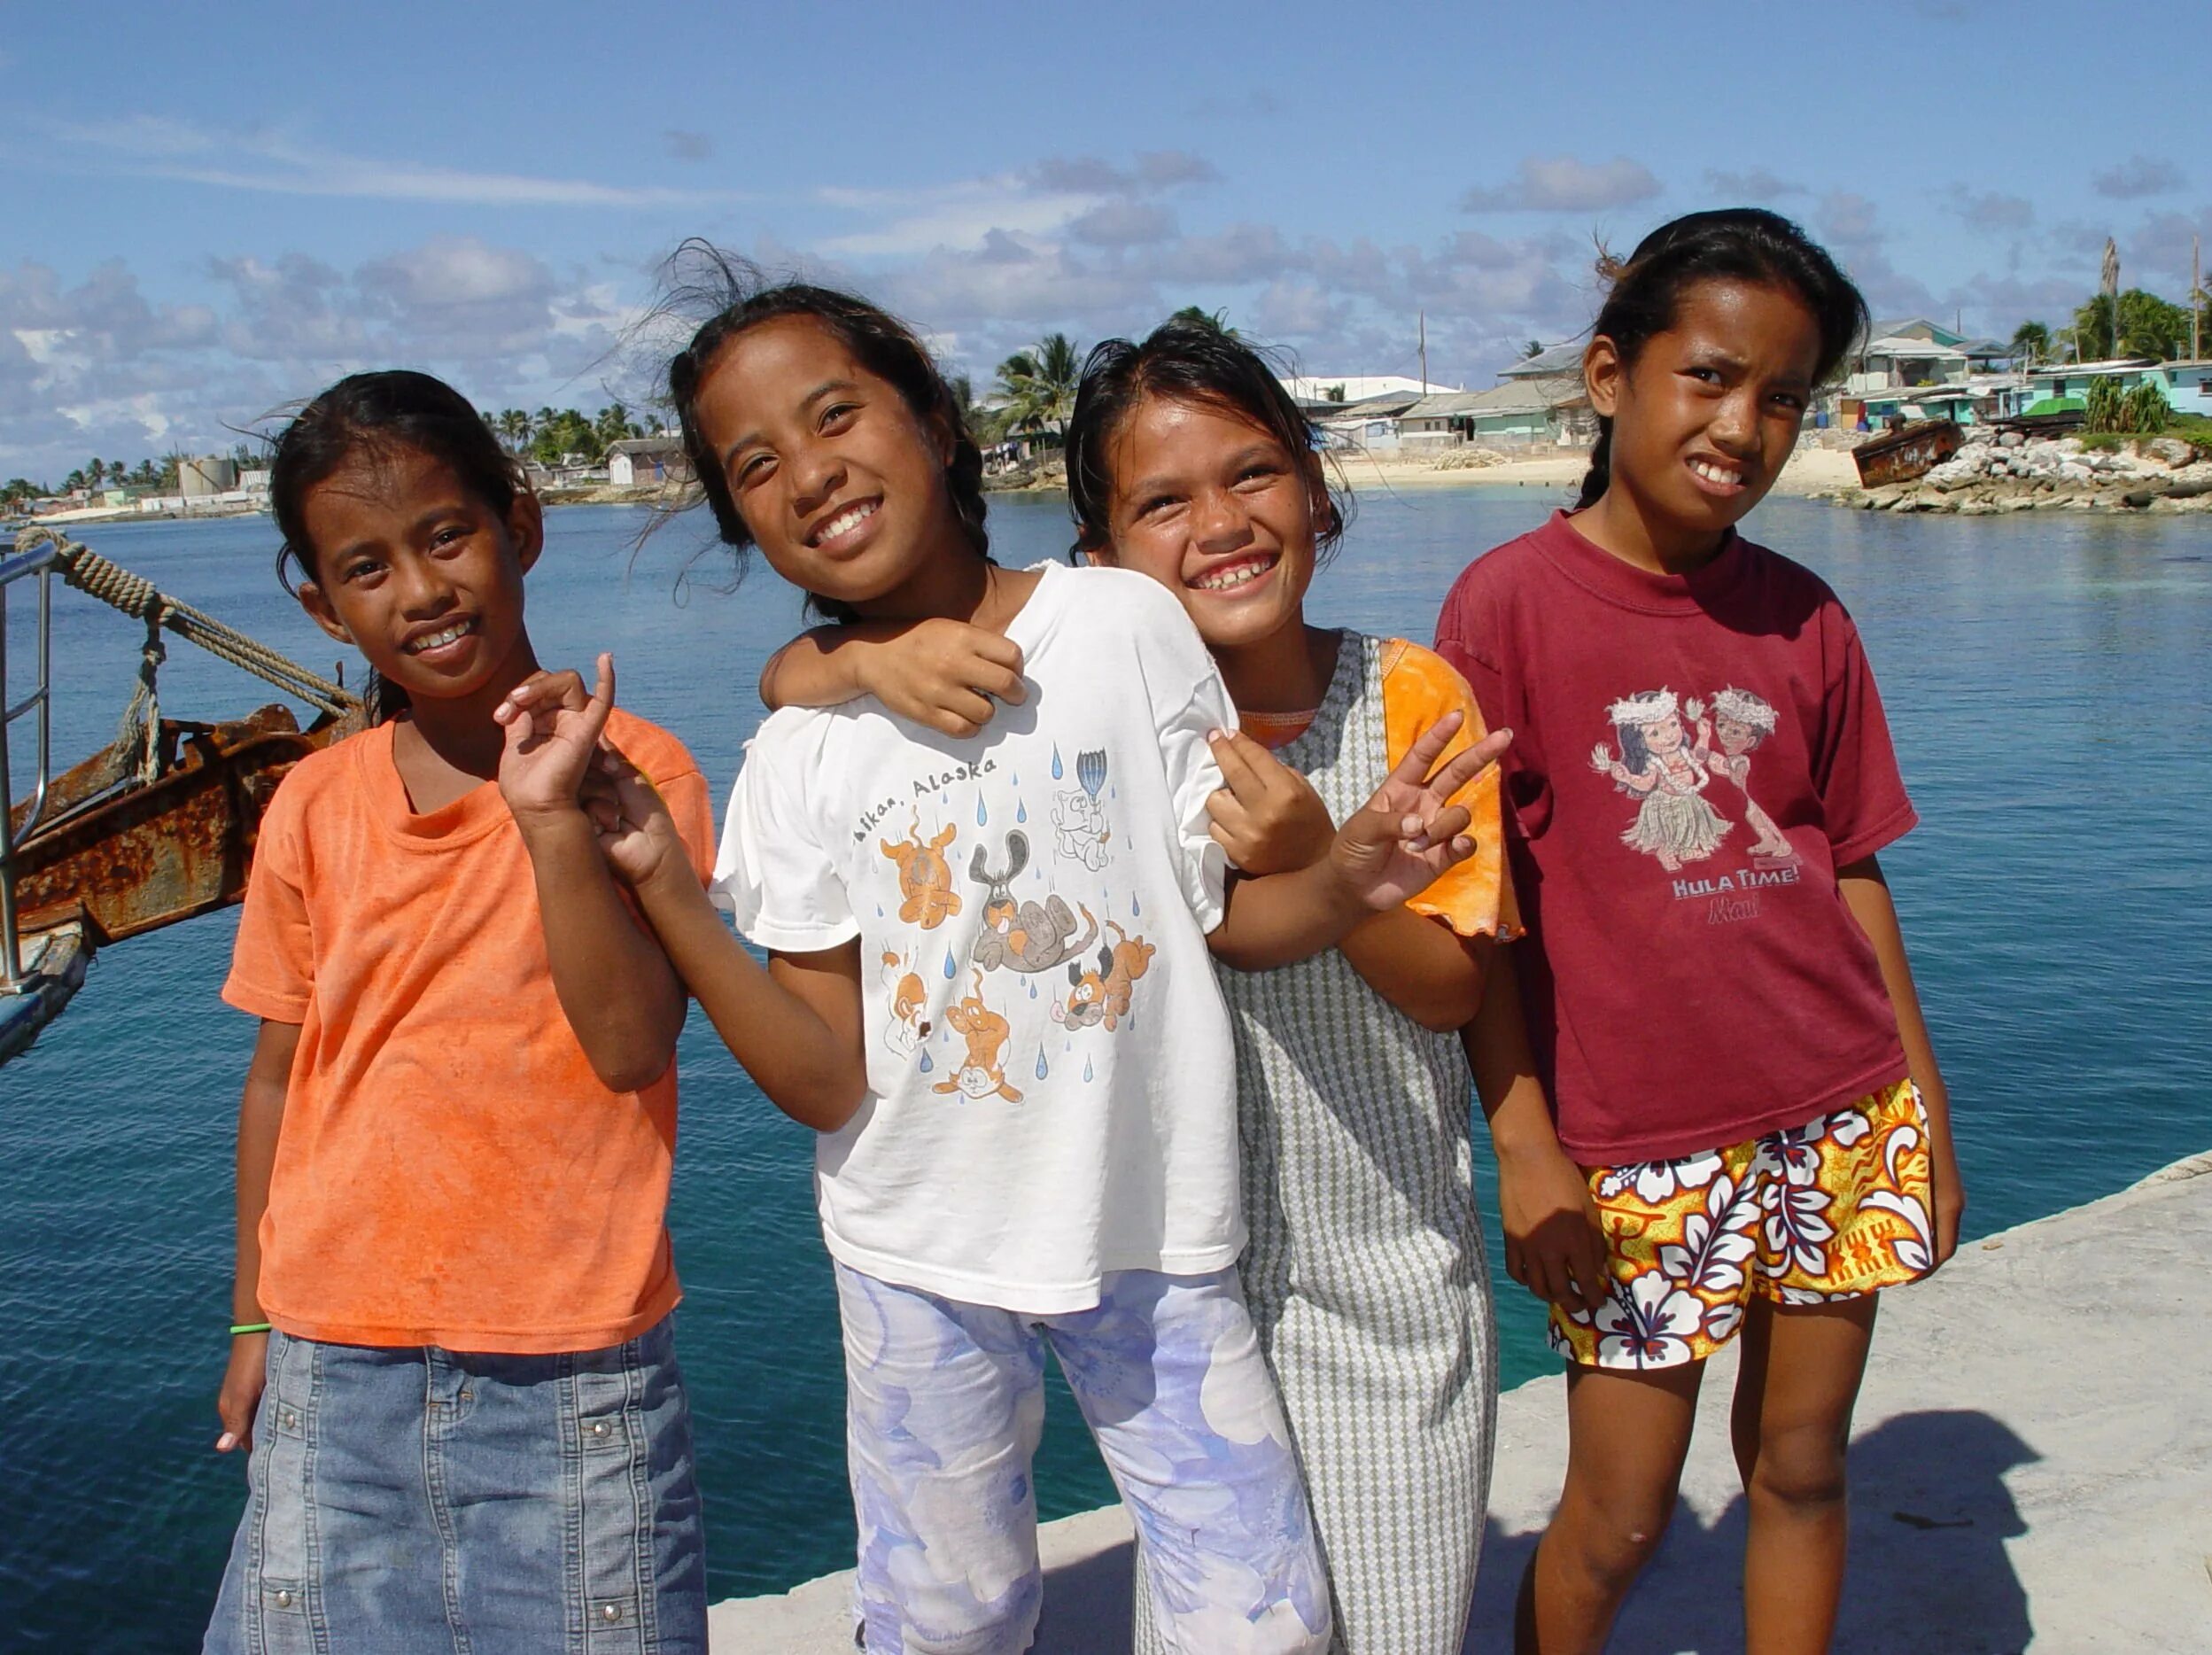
1930	1514
1087	1604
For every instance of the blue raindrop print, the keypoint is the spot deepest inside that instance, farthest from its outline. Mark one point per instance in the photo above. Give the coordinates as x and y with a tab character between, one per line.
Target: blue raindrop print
981	816
925	1064
1086	1069
878	910
1020	811
1057	772
950	968
1032	991
1041	1070
1133	910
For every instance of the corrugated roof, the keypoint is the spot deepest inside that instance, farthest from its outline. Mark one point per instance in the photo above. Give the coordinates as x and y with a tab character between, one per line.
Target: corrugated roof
1565	358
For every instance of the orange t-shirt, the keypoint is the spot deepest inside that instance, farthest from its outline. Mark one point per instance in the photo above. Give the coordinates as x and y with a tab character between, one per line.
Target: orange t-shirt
450	1171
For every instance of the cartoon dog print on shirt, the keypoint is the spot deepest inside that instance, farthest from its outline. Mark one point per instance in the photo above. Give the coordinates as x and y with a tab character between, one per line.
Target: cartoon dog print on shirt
1079	819
925	878
908	1028
984	1073
1104	995
1023	936
1664	770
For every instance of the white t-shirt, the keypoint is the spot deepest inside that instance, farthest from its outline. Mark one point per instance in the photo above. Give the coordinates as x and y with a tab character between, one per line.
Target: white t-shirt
1051	1084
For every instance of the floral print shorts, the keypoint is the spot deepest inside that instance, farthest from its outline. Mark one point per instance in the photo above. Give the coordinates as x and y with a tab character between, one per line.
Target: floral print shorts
1831	1209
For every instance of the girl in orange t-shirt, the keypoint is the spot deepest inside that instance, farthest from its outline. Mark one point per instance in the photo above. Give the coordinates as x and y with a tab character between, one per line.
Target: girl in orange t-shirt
452	1359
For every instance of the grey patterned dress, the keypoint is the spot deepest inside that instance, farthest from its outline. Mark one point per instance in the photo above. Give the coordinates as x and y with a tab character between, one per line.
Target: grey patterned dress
1365	1272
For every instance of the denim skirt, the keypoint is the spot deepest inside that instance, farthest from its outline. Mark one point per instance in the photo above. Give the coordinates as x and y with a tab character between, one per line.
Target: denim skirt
410	1500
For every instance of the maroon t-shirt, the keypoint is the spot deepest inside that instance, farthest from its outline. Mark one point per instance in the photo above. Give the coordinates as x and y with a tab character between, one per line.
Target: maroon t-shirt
1692	758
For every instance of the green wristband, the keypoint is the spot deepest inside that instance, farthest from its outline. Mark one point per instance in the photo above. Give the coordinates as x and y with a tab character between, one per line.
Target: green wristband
237	1328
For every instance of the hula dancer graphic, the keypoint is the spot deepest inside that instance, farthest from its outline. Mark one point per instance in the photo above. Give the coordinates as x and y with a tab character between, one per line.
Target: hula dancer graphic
1740	721
1658	766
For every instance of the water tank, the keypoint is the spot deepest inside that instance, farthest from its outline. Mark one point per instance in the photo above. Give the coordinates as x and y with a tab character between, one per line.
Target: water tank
211	474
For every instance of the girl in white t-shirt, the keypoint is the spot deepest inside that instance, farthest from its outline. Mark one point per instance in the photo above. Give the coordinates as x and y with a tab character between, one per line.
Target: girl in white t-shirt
1027	1102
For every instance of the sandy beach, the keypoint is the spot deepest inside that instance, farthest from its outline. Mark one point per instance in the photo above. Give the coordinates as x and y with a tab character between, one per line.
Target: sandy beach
1809	469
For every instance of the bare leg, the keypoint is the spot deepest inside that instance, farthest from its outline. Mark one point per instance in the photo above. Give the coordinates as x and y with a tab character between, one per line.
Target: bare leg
1791	1427
1627	1434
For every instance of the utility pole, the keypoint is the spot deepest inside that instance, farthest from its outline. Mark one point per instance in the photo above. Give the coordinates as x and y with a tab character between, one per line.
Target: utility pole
2196	299
1424	351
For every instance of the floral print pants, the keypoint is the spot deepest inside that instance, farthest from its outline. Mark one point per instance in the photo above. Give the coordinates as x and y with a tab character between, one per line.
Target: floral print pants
945	1405
1829	1210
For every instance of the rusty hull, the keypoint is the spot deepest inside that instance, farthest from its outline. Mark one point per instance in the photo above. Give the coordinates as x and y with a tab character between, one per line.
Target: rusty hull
1898	456
126	858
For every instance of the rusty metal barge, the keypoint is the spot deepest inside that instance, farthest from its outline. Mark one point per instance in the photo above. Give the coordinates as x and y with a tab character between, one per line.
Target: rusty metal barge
156	827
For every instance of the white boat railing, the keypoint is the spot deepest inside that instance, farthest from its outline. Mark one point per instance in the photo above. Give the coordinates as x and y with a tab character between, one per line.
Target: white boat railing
38	561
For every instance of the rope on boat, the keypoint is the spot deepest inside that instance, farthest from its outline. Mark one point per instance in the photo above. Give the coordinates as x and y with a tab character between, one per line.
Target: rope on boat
137	597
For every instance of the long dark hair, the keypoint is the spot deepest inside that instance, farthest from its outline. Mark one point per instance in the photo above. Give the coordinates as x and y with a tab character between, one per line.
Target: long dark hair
1730	244
381	413
738	297
1185	362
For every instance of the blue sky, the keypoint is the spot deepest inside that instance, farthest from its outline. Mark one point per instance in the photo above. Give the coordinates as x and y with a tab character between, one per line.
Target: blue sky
212	210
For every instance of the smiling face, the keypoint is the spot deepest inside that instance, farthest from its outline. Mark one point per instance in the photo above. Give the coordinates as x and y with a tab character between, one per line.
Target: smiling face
1705	417
1665	735
840	483
417	572
1212	505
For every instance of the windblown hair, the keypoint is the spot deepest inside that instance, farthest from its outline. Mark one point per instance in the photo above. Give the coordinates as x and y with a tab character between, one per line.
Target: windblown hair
376	413
1731	244
735	296
1185	362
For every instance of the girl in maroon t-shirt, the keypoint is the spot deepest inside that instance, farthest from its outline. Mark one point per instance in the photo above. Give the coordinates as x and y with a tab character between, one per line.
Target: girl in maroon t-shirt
1751	1133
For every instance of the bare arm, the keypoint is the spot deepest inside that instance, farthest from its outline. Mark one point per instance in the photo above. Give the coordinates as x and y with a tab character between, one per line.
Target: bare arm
1866	894
795	1025
944	674
1421	966
1388	850
260	1118
1555	1245
615	986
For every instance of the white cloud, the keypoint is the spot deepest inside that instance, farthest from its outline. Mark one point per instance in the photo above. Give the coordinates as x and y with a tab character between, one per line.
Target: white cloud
2137	176
1757	186
1990	211
273	163
1560	183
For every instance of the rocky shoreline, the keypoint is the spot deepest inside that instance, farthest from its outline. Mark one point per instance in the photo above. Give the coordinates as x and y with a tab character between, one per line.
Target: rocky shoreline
2008	472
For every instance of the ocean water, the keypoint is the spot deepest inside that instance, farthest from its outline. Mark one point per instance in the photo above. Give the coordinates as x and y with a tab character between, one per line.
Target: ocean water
2049	681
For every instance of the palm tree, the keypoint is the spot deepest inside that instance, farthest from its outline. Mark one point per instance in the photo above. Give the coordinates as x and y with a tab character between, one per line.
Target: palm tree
1217	320
2031	342
1039	383
613	423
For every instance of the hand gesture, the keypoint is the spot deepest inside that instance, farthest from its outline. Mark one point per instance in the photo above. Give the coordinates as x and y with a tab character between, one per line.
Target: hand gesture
631	821
1602	759
1396	845
241	1393
1267	816
947	675
1695	708
553	729
1555	1245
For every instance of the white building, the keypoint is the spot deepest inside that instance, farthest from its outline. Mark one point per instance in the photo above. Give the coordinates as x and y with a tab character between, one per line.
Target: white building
646	463
1356	387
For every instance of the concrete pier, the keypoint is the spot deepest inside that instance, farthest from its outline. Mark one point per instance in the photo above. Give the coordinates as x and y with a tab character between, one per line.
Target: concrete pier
2031	1468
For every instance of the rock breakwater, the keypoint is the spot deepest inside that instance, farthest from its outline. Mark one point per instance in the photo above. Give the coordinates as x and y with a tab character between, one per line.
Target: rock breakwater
2009	473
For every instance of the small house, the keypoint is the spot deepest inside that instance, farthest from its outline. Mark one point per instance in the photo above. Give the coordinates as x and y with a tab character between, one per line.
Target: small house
646	463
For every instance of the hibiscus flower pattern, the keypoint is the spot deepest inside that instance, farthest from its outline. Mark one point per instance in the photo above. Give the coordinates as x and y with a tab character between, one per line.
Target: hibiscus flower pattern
1832	1209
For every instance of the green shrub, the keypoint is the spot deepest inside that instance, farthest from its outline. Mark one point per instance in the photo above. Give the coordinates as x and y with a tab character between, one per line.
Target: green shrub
2102	410
2145	411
